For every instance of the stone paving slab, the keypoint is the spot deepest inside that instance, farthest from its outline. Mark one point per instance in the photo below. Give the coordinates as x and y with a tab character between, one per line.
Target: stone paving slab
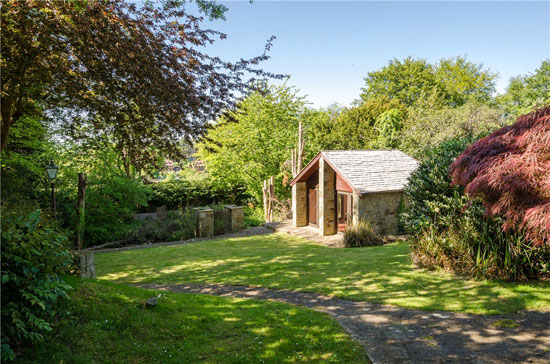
392	334
307	232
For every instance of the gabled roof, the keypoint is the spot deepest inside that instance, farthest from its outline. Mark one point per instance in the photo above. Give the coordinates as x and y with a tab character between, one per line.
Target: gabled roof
366	171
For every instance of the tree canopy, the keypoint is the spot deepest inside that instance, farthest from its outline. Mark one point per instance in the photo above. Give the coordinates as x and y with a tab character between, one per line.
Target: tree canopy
453	80
354	128
253	142
118	72
524	93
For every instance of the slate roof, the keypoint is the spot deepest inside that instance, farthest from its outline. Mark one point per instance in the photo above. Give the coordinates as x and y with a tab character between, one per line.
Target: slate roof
371	171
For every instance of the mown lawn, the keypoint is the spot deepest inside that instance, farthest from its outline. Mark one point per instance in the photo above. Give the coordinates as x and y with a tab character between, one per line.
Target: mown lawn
377	274
108	323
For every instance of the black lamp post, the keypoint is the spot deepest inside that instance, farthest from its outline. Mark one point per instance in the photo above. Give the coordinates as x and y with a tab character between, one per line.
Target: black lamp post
52	173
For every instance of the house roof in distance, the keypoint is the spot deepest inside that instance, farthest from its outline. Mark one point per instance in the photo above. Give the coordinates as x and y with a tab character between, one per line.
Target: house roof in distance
366	171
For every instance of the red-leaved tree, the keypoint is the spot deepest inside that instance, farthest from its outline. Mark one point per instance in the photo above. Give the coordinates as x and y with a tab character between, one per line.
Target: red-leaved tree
510	171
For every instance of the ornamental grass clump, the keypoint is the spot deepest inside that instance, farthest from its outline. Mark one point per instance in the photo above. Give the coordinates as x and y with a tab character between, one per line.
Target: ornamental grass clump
361	234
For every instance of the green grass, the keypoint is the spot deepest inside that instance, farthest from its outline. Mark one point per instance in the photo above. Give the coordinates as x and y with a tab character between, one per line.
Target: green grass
108	323
382	274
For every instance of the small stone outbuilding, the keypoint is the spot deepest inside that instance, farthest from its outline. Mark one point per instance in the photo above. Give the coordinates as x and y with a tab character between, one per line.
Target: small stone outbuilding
343	186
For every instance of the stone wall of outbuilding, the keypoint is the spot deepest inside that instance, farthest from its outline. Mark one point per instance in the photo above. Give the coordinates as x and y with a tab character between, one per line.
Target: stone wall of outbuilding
327	199
299	204
380	209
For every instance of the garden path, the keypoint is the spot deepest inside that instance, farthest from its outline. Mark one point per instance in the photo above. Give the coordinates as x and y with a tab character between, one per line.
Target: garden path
393	334
306	232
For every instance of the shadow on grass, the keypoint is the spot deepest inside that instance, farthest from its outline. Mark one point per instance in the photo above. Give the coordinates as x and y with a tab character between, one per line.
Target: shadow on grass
109	323
381	274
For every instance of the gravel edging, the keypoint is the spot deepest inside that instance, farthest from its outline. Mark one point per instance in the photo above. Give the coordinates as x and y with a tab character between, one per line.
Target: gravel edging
392	334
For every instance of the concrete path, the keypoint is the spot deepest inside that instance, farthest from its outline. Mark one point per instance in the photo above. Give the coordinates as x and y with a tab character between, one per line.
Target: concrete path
392	334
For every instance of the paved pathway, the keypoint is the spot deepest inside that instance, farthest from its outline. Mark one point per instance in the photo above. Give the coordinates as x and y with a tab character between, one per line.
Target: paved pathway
392	334
306	232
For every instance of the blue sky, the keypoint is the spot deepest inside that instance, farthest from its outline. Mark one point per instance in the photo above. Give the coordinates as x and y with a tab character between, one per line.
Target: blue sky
327	47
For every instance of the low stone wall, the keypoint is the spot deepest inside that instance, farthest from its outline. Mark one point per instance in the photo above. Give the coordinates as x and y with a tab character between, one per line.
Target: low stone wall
151	215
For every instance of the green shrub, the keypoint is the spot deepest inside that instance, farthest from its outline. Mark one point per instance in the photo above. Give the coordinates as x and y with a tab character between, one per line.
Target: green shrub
111	202
450	230
33	257
253	216
178	194
165	226
361	234
473	245
429	193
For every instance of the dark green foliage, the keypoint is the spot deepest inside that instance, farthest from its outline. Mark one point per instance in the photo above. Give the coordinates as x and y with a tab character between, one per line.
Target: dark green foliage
165	226
178	194
361	234
110	206
354	128
33	256
253	216
23	161
451	231
111	202
473	245
429	194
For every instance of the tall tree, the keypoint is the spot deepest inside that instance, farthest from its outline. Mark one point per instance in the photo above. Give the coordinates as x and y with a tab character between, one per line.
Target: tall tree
525	93
454	81
116	71
353	128
254	141
405	81
463	80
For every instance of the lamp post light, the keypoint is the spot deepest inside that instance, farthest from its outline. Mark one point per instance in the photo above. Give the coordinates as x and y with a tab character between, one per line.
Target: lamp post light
51	169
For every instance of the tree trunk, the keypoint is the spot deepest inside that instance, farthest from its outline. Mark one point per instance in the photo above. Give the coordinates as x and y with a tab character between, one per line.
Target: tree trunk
7	118
81	209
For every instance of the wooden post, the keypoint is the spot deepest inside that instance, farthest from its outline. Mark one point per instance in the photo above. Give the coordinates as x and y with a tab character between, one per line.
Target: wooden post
265	199
54	209
268	191
271	197
297	154
300	156
81	206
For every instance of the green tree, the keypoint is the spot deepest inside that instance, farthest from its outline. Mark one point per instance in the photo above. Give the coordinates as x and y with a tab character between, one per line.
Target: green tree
428	124
354	128
405	81
25	156
463	80
253	142
132	74
389	125
452	80
526	93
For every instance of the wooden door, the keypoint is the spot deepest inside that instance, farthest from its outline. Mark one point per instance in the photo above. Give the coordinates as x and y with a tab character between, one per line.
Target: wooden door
312	202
